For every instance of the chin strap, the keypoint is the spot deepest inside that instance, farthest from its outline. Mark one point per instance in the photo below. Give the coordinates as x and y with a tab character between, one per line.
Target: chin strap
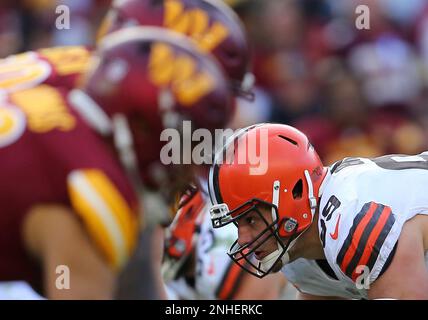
267	262
275	201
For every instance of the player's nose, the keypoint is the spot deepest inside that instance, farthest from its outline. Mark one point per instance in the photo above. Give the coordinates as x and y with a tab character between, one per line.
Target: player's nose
244	235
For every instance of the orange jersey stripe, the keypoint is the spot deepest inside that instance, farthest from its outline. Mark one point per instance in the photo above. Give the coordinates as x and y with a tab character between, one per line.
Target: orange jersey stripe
357	236
370	245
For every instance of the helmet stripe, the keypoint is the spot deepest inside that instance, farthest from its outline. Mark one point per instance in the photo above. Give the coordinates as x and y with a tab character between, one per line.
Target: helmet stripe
215	180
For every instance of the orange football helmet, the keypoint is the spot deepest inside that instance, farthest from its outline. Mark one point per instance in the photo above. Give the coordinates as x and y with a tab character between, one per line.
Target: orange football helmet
288	185
183	232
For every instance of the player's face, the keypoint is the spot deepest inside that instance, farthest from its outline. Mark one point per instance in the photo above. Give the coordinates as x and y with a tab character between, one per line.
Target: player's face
255	228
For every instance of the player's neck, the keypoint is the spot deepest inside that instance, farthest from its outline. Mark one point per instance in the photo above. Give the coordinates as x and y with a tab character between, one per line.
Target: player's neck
308	246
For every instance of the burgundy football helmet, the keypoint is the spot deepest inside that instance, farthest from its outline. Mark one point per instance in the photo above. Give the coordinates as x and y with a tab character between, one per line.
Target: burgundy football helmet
145	80
211	23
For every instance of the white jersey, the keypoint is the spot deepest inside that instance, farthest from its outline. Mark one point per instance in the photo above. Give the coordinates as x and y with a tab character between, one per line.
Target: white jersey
363	208
364	205
308	277
180	289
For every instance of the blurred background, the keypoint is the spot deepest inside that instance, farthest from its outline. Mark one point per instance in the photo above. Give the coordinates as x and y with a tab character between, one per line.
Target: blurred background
353	92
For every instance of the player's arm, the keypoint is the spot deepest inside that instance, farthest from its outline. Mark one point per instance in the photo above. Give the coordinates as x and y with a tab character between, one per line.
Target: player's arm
407	276
55	236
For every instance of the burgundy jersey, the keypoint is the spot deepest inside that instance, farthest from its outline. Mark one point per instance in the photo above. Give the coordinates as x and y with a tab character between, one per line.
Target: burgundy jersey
48	154
57	66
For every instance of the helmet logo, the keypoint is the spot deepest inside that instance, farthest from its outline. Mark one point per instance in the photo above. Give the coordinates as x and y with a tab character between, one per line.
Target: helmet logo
180	73
290	225
194	23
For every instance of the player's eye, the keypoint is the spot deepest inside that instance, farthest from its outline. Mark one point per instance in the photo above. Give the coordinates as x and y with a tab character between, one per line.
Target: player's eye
249	220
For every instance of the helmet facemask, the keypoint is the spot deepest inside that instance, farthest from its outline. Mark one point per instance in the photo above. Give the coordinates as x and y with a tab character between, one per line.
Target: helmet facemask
245	255
290	188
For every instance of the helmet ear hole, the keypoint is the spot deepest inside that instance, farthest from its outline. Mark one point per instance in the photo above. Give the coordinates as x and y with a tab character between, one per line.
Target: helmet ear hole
298	190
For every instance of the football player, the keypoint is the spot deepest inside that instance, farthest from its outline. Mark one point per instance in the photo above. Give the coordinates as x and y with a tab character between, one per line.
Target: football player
210	23
71	161
364	219
196	265
213	26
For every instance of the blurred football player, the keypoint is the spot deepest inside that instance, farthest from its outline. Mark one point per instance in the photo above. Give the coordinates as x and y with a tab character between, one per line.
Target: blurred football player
196	265
366	219
72	163
213	26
